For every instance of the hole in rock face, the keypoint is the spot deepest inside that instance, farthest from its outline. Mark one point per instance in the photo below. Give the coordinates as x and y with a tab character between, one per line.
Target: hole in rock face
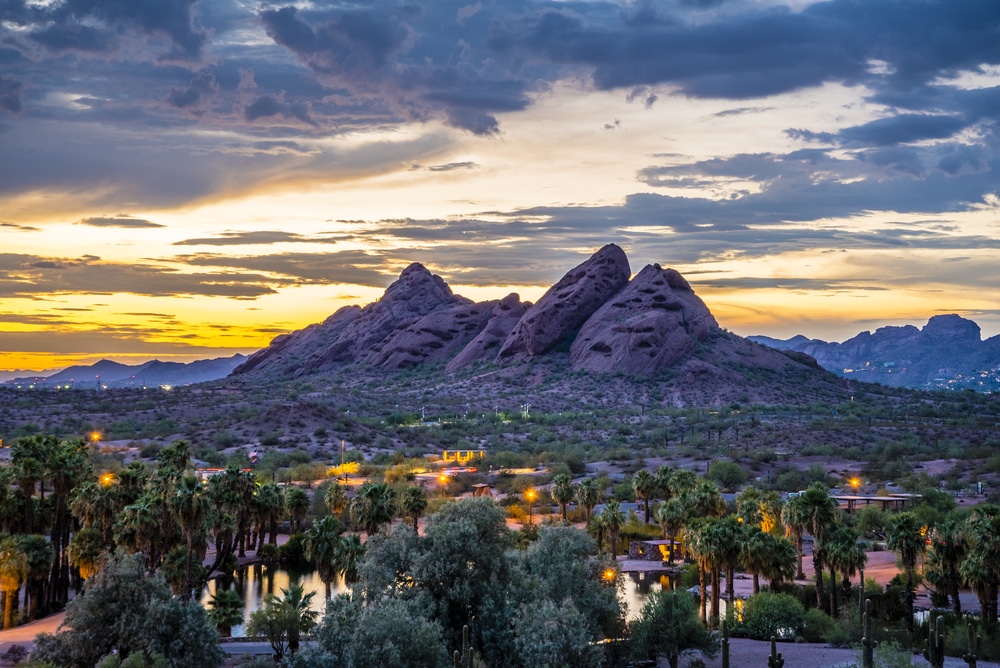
659	298
601	347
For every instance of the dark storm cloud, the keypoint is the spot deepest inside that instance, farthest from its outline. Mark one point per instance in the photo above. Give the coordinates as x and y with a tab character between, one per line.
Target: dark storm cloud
106	26
117	221
393	53
27	275
254	238
11	95
197	95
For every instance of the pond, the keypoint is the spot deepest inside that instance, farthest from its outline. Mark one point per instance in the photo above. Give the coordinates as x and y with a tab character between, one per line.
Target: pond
254	583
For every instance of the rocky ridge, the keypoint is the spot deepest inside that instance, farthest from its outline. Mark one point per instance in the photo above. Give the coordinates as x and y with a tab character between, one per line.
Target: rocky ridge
947	352
606	322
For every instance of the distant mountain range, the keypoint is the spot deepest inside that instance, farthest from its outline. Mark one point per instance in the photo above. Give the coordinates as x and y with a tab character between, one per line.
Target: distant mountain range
150	374
648	331
946	353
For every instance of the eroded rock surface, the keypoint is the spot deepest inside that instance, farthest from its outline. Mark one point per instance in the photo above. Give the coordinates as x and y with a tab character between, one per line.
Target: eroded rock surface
567	304
504	316
649	325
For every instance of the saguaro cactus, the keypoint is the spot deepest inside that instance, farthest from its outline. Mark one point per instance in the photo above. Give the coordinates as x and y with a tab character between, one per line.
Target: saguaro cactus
775	660
725	644
464	659
935	644
975	648
867	643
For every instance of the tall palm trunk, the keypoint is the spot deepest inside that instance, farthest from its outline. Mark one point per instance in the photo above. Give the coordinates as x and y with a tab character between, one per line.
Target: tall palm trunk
833	592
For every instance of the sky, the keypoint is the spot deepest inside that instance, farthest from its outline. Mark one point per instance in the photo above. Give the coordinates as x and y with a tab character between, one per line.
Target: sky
184	179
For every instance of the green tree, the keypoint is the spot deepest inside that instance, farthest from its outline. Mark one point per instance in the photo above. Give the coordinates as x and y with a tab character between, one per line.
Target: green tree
225	611
768	615
668	626
283	620
413	503
322	542
551	634
728	475
672	515
85	550
373	506
191	506
297	503
348	554
123	611
562	491
822	513
613	519
846	556
644	484
40	555
13	571
587	495
335	498
906	539
948	549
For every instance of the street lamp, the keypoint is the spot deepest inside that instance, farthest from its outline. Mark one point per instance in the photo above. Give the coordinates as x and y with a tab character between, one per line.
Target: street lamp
95	437
531	503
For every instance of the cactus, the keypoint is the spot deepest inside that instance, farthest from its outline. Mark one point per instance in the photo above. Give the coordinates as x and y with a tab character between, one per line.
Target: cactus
775	660
975	648
725	644
465	658
935	643
867	644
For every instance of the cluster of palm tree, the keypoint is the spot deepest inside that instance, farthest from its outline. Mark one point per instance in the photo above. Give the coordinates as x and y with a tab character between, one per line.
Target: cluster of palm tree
373	507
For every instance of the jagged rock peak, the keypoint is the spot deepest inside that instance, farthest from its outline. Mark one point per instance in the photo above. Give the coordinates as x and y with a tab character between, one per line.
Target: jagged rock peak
416	282
567	304
952	328
648	326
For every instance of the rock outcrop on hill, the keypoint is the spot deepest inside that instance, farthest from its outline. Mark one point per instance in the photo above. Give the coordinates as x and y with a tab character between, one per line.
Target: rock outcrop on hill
605	322
503	318
648	326
567	304
947	352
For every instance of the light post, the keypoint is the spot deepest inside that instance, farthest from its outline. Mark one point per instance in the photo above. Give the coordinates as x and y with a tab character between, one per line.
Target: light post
531	504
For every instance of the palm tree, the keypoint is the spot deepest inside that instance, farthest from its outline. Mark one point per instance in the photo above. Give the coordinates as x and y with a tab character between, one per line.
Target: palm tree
697	545
906	539
644	485
846	556
598	528
613	519
823	513
981	568
96	506
672	515
28	457
85	550
321	543
796	519
297	503
13	571
138	526
948	550
663	476
66	467
759	508
562	492
191	508
270	507
349	553
300	617
373	506
225	611
40	555
335	498
705	500
587	495
754	554
413	503
781	560
683	481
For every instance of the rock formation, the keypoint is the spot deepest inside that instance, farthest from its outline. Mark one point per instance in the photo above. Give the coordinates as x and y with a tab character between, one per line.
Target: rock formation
567	304
436	337
648	326
504	316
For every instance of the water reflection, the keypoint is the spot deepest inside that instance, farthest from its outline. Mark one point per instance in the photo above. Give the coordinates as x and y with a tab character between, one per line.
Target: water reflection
636	586
256	582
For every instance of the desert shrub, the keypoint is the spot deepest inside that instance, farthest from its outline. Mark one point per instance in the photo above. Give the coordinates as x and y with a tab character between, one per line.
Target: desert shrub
817	626
766	615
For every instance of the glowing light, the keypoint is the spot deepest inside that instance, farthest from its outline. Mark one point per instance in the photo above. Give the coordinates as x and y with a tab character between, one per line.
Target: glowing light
609	574
95	437
107	479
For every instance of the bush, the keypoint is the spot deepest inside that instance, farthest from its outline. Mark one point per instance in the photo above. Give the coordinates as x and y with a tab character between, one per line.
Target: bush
766	615
817	626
